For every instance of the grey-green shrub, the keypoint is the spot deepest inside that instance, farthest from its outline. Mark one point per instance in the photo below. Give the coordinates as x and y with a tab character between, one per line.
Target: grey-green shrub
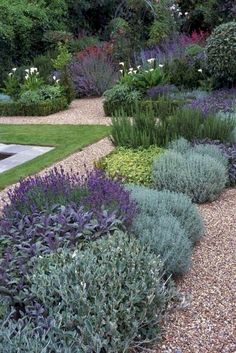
183	146
213	152
165	237
202	178
108	297
158	203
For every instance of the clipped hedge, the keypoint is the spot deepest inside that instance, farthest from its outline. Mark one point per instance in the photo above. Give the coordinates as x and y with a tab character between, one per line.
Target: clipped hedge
38	109
131	165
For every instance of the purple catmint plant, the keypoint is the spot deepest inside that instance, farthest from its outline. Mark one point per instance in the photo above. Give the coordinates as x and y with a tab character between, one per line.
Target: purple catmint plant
93	75
223	100
160	90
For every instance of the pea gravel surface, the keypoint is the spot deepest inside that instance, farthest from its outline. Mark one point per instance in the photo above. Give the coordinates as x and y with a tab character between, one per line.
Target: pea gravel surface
207	321
81	111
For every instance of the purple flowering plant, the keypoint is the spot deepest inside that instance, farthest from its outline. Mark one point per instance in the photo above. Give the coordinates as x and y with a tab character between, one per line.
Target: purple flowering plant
58	210
223	100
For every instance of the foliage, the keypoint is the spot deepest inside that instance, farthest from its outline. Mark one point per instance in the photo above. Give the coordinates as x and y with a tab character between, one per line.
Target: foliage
79	44
63	58
93	75
155	124
44	65
223	100
155	203
12	85
114	308
199	176
41	108
44	93
183	73
32	80
228	150
118	96
166	238
221	51
121	37
133	166
193	50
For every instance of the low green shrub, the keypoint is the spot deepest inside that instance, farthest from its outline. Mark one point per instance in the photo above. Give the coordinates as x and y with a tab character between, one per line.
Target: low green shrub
44	93
132	165
155	203
201	177
109	297
166	238
38	109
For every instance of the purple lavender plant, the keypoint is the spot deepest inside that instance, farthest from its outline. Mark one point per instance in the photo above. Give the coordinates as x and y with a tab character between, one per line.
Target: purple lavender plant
160	90
93	75
223	100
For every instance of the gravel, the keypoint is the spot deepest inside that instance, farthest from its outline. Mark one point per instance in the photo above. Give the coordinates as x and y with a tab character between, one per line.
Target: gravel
81	111
207	323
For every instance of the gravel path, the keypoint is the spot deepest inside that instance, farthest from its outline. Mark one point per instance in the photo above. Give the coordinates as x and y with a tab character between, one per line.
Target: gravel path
208	323
79	161
81	111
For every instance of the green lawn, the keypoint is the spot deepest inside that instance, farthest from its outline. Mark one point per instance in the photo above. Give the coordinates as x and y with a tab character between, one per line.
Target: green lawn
65	138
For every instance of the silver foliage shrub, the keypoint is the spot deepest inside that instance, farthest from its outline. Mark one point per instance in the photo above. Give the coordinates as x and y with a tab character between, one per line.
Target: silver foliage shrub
158	203
183	146
107	298
166	238
201	177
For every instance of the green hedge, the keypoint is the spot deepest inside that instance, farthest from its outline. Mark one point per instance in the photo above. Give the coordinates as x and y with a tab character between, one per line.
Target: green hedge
39	109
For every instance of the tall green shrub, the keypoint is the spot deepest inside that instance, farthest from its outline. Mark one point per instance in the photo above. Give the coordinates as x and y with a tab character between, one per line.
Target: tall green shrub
221	52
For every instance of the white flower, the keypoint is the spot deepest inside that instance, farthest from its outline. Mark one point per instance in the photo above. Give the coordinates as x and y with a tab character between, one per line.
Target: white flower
135	71
138	67
131	69
180	14
122	63
54	78
10	74
151	70
161	65
27	70
14	69
151	60
26	77
57	81
199	70
121	71
186	13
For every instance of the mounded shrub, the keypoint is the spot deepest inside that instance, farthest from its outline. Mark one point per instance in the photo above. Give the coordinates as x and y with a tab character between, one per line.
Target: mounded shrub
155	203
37	109
202	178
109	297
166	238
221	52
132	165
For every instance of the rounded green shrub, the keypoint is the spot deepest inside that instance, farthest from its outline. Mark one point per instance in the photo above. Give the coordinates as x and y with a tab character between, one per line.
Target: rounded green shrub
202	178
165	237
221	52
107	297
132	165
157	203
181	145
193	50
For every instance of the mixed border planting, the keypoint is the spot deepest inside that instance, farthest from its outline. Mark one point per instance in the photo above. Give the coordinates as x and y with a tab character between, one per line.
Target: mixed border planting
89	261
